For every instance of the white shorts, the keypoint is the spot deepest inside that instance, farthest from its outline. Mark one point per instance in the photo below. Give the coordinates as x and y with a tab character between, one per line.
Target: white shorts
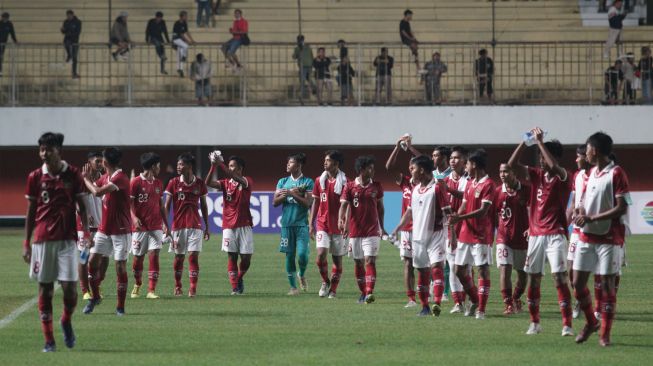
142	241
541	247
186	240
571	252
54	261
359	248
602	259
119	245
334	242
238	240
513	257
406	244
433	251
473	254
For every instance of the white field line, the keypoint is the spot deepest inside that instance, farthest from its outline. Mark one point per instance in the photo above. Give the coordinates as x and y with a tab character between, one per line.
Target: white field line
20	310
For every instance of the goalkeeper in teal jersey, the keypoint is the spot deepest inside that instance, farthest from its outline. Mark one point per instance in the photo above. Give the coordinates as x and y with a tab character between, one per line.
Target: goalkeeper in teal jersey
294	193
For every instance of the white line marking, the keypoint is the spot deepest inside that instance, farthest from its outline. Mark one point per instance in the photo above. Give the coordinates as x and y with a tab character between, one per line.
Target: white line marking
20	310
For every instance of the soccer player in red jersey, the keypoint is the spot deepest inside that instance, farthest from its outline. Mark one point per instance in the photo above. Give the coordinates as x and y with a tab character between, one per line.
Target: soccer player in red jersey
549	196
150	222
52	192
429	237
512	231
186	194
602	231
474	247
323	222
237	238
363	197
114	233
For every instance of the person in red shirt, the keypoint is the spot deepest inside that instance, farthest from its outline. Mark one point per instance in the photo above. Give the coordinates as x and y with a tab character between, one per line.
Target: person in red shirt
512	230
474	247
362	199
602	233
150	222
549	196
239	31
114	233
52	193
186	194
323	222
237	238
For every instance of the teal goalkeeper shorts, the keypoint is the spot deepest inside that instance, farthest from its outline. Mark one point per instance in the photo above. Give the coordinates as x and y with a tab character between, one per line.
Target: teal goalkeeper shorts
293	238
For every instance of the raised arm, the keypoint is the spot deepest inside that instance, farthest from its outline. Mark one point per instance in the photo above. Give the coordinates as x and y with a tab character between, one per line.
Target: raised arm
209	181
390	165
550	161
520	170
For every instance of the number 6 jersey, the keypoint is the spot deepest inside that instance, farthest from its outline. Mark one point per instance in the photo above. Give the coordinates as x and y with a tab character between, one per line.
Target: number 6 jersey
185	202
364	220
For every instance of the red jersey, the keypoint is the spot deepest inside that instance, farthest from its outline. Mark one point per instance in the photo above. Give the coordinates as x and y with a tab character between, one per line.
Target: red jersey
116	217
55	202
452	201
235	203
364	218
548	203
240	26
146	196
512	215
406	186
186	202
329	206
479	230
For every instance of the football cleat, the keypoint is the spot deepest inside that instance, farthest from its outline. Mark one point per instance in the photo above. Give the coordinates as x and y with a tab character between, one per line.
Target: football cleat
576	310
178	291
410	304
192	292
324	290
50	347
241	286
293	291
87	295
604	342
136	292
425	311
508	310
567	331
152	295
587	331
480	315
436	309
471	310
68	334
369	298
534	328
92	303
303	284
234	291
518	306
445	297
597	315
120	311
332	295
361	299
458	308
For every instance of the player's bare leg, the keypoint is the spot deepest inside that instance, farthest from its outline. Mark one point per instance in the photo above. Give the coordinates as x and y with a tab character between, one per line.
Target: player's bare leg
69	304
437	276
564	300
121	286
370	279
336	274
193	272
576	309
103	272
584	298
82	271
153	273
533	298
505	280
245	261
178	268
462	272
323	267
359	272
409	280
520	286
46	292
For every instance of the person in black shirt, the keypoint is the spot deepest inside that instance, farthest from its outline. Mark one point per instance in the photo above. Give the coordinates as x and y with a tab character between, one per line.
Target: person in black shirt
342	47
154	33
6	30
383	64
321	65
345	75
181	39
407	36
71	29
645	69
616	17
614	77
484	73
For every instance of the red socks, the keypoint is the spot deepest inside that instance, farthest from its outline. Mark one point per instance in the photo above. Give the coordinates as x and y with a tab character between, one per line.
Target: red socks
178	268
232	271
153	271
411	294
437	274
69	305
423	280
534	303
585	303
323	267
608	309
121	285
45	314
83	279
94	281
483	293
137	269
370	278
335	278
564	299
359	272
518	293
470	289
193	271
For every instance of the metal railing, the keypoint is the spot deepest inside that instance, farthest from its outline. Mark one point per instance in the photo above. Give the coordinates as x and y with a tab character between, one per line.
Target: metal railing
525	73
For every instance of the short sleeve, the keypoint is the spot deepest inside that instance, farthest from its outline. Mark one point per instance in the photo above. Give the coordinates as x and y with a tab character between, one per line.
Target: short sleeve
203	190
32	189
280	183
487	193
316	188
133	187
78	183
309	185
379	195
620	183
250	184
441	197
117	181
345	196
171	186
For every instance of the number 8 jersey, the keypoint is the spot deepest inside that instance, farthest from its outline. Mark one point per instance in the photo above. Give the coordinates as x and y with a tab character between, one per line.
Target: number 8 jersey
185	202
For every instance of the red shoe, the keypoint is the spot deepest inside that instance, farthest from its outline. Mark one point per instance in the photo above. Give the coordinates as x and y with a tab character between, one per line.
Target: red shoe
587	331
178	291
518	306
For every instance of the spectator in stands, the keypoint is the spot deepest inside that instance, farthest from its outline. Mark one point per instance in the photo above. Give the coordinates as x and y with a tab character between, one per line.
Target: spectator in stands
603	8
322	65
181	39
6	30
200	72
431	79
203	6
407	36
484	73
120	36
71	29
383	64
304	56
215	6
238	31
154	33
616	17
645	69
628	67
342	47
614	77
345	75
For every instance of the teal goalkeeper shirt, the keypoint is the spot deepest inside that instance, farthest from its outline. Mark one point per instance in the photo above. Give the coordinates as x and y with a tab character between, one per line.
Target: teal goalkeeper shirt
293	213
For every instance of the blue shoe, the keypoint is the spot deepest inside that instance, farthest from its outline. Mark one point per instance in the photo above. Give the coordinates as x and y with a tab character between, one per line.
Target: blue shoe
241	286
120	311
92	303
425	311
49	347
361	300
68	334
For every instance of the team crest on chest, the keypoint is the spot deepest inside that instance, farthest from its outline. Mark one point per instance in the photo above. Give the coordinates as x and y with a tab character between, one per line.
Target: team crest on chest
157	190
196	191
373	194
477	193
44	185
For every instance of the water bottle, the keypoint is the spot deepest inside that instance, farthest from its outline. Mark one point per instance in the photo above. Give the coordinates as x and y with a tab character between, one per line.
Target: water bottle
84	254
529	137
404	144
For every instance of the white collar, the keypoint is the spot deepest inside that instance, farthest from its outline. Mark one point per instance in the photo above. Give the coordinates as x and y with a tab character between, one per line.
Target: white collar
358	182
181	178
606	169
504	187
428	185
481	180
298	178
145	179
44	168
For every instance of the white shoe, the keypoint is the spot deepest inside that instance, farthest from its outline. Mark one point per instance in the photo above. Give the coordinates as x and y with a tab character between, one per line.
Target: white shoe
534	328
458	308
303	285
567	331
324	289
471	310
445	297
293	292
410	304
480	315
332	295
597	315
576	310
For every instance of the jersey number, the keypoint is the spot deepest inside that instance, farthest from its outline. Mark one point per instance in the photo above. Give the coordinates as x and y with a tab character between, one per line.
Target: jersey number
506	213
45	197
181	196
355	201
323	197
143	197
539	195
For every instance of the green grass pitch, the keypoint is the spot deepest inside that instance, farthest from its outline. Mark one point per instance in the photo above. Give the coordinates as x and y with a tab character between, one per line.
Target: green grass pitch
266	327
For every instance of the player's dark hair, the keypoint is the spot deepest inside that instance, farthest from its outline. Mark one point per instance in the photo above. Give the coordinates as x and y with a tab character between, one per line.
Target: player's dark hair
461	150
479	157
112	155
482	52
149	159
238	160
299	157
423	162
51	139
443	150
555	148
363	162
94	154
581	150
408	12
159	14
336	156
602	142
187	158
